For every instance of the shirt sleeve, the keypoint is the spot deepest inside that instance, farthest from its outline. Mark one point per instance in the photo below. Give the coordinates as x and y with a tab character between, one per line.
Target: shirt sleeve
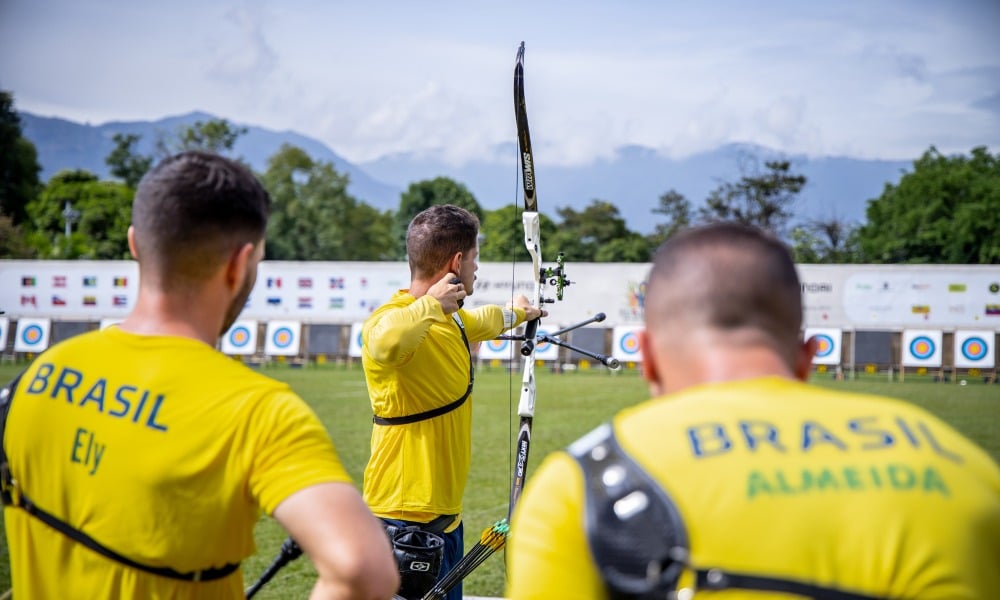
487	322
548	552
393	336
291	451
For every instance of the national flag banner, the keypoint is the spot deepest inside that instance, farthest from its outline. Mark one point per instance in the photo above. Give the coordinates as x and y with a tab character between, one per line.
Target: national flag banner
120	301
337	303
305	282
274	282
956	287
273	301
59	281
90	300
28	281
29	301
58	301
336	283
992	310
120	282
921	309
305	302
90	281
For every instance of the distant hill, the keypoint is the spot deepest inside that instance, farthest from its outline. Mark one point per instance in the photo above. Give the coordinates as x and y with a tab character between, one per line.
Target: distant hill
64	144
633	179
637	176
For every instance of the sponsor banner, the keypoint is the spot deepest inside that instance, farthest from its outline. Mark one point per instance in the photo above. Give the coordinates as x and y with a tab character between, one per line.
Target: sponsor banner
626	344
828	345
834	296
283	338
32	335
921	348
498	350
354	348
241	339
4	328
975	349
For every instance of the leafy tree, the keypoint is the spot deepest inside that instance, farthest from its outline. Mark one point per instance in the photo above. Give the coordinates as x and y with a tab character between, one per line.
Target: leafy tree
103	211
598	234
947	210
215	135
825	241
677	210
12	242
503	236
422	195
761	199
126	164
19	166
314	218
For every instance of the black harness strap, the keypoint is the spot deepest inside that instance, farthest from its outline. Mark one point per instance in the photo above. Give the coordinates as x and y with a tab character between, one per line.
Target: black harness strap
637	535
441	410
14	497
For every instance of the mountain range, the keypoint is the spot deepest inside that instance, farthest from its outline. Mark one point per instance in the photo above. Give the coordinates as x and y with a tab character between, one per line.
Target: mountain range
633	179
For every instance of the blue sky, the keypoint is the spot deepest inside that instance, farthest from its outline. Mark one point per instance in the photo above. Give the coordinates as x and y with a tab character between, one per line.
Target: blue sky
868	79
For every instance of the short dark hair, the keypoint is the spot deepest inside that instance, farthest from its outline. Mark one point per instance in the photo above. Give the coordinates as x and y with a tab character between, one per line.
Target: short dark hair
192	210
437	234
727	277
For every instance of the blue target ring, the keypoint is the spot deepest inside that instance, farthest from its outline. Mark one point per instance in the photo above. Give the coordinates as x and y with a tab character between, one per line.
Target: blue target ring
282	337
974	348
360	344
824	345
629	343
239	336
32	334
498	345
922	347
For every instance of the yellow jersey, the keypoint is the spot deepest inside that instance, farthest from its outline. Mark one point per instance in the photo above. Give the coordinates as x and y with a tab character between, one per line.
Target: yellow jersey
780	479
160	448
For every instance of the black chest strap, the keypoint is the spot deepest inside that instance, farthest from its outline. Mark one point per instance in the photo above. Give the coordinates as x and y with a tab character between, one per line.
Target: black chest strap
13	496
637	535
441	410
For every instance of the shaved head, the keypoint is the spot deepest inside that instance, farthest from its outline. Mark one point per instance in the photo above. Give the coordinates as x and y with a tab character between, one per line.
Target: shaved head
728	283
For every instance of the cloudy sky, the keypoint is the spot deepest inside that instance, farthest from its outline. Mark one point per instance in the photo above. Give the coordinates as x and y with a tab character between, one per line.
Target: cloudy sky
862	78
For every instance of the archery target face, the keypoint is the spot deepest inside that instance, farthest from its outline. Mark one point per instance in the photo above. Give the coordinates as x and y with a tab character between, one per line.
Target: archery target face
354	347
496	349
828	345
626	344
975	349
32	335
283	338
921	348
241	338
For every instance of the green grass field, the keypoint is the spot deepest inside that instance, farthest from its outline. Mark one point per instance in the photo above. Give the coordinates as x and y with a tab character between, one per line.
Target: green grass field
568	405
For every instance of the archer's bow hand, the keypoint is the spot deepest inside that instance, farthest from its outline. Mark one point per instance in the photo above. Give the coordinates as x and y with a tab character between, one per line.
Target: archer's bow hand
531	312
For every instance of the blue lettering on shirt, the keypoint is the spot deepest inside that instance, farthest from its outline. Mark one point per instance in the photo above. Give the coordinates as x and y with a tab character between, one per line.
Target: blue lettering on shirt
121	402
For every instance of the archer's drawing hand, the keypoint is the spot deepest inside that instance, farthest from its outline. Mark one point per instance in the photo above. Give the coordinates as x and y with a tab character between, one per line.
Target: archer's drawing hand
449	294
531	311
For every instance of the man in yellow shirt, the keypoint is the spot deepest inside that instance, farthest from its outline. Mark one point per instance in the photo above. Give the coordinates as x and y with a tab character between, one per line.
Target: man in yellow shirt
141	457
738	479
417	362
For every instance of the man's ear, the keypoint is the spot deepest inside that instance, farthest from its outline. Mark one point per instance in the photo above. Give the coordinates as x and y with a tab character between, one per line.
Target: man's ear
803	360
131	242
236	267
455	264
648	365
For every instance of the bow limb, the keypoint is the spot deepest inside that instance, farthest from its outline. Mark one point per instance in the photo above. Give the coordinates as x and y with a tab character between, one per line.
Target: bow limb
532	242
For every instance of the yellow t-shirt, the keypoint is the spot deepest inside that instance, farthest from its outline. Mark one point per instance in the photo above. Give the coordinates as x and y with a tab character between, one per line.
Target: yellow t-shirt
415	360
160	448
781	479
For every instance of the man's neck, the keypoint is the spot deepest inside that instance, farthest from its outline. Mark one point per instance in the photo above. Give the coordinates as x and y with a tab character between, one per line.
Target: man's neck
158	313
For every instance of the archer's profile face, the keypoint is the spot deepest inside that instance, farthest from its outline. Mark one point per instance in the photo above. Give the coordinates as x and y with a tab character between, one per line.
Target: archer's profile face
470	264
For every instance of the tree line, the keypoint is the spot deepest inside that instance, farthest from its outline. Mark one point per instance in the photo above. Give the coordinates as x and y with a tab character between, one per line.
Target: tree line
946	210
